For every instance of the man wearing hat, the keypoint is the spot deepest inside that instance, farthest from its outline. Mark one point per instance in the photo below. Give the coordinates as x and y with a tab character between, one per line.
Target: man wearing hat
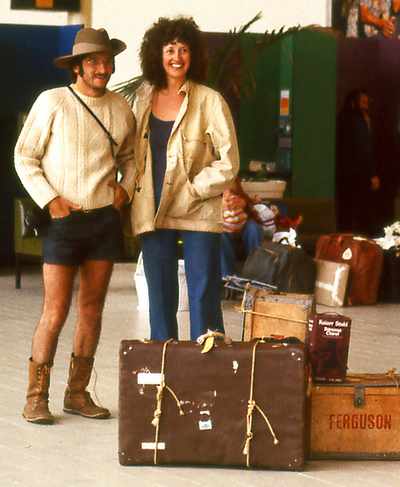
70	149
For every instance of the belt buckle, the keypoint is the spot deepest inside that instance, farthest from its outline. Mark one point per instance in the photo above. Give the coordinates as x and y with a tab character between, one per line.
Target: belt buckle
87	211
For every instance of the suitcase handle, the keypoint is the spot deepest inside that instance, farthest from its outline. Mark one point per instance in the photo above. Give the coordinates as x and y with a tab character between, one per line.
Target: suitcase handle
208	339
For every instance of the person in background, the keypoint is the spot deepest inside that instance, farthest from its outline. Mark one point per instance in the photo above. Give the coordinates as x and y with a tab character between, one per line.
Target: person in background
243	230
395	17
186	156
68	165
375	18
369	18
357	181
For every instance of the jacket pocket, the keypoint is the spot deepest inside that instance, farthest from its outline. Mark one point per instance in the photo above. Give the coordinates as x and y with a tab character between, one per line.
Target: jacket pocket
195	146
189	206
185	201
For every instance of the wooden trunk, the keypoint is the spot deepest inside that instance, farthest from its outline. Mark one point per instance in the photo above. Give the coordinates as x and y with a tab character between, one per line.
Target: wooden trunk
229	406
268	313
359	419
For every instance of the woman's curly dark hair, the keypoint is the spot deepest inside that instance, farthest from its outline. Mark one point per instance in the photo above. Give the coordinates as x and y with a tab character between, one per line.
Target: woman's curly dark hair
164	31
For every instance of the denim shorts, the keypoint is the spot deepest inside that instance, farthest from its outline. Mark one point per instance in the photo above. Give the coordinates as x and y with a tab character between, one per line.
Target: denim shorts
92	235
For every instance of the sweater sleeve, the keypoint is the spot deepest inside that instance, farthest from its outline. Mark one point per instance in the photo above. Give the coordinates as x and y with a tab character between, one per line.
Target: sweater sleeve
30	148
125	158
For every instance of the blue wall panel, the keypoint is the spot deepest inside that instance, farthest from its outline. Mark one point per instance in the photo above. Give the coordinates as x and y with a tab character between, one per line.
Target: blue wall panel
26	56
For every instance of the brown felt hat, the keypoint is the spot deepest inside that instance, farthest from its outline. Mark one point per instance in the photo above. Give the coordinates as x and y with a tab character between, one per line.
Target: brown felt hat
88	41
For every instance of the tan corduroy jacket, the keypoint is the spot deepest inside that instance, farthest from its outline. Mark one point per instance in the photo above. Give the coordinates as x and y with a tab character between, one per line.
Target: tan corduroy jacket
202	160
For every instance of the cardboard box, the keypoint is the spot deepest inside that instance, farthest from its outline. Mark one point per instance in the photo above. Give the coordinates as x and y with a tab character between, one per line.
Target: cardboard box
331	282
273	188
329	340
359	419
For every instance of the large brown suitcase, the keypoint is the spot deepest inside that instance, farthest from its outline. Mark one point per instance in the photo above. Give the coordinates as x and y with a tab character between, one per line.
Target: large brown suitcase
359	419
365	258
241	404
267	313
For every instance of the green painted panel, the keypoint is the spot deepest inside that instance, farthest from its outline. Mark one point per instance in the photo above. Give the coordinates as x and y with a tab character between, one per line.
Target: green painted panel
314	115
258	119
286	62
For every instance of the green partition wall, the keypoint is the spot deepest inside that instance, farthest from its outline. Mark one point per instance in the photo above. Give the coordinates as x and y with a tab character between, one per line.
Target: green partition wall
305	64
259	104
314	115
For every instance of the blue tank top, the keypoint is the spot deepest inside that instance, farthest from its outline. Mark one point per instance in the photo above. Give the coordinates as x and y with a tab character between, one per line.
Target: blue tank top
160	130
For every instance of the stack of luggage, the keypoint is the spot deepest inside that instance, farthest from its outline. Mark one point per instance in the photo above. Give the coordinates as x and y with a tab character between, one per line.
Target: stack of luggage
281	395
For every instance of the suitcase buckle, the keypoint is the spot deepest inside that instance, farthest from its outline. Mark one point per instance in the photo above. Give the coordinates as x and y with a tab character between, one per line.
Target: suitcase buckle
359	396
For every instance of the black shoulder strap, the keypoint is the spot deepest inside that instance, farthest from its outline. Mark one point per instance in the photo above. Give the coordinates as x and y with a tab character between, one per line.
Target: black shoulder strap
110	137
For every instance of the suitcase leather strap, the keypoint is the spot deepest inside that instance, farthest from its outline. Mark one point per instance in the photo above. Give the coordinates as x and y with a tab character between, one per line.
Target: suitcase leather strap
270	315
159	397
248	303
390	374
250	409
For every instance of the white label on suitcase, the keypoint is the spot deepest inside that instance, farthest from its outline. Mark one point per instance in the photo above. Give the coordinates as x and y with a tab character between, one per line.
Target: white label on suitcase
347	254
205	425
205	422
149	378
152	446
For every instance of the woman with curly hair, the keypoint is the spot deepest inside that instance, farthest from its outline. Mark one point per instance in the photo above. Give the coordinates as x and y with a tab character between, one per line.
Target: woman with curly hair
186	155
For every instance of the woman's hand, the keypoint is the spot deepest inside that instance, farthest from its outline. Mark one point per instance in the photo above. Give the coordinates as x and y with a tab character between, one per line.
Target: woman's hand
232	200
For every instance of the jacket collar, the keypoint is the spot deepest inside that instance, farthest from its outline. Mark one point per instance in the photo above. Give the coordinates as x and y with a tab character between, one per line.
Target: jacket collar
185	88
145	93
146	90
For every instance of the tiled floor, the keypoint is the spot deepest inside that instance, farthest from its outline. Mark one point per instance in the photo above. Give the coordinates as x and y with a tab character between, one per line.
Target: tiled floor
77	452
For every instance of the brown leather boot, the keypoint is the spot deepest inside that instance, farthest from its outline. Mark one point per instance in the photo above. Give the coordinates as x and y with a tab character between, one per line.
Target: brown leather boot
77	400
36	409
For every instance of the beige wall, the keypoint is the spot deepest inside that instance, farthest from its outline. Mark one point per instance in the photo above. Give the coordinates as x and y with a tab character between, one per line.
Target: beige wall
128	19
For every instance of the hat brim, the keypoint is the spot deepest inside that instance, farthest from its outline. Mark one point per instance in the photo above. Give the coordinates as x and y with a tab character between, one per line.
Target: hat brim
65	62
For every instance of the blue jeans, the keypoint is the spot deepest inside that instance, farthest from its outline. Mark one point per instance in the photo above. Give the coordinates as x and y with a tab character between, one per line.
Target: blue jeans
202	267
251	237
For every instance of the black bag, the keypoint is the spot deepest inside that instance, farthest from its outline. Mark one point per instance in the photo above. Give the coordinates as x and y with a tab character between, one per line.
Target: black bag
34	220
288	268
389	290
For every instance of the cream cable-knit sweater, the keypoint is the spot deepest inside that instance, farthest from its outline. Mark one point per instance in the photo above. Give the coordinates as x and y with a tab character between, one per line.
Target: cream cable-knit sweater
62	150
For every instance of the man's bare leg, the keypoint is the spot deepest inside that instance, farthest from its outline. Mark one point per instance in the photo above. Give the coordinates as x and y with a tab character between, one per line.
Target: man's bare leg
58	284
58	281
94	280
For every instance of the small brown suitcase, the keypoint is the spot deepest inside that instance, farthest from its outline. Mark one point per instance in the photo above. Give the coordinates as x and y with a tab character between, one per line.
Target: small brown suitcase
365	259
241	404
328	347
359	419
268	313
